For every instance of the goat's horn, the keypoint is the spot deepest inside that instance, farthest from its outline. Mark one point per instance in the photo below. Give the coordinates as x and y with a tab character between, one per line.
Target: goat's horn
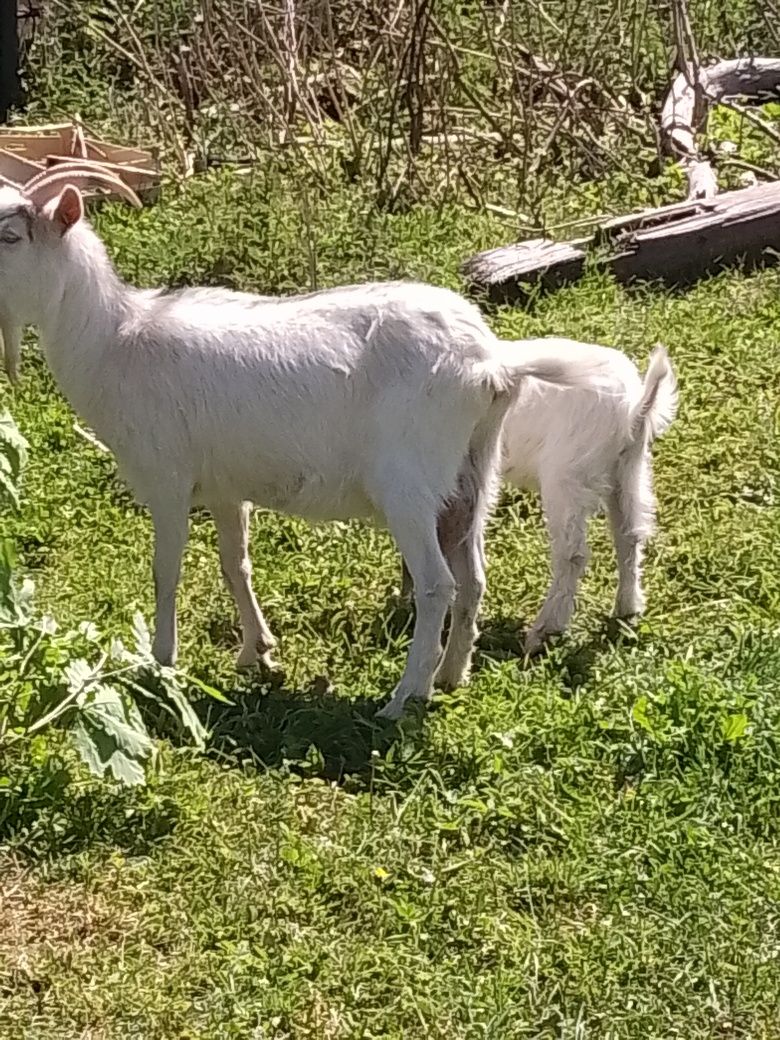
44	190
69	164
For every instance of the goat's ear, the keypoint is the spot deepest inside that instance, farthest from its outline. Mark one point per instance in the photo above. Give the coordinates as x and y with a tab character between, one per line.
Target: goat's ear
66	209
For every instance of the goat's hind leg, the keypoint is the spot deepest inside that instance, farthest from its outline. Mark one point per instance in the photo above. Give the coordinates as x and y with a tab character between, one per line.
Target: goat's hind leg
467	562
232	523
461	536
434	589
631	510
566	516
631	520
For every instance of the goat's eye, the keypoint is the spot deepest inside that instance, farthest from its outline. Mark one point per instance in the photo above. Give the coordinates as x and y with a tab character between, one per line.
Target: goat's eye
10	237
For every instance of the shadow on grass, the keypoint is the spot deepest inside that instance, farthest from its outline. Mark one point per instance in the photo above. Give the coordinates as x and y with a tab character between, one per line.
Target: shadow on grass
502	638
312	731
315	732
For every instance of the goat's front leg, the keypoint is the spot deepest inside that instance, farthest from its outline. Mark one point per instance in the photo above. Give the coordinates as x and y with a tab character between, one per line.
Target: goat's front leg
170	521
232	522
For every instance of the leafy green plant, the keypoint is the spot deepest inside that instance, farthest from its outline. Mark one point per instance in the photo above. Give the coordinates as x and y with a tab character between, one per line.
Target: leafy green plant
52	677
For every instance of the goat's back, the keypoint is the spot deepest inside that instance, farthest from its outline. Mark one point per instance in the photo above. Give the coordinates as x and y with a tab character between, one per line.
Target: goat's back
582	430
297	403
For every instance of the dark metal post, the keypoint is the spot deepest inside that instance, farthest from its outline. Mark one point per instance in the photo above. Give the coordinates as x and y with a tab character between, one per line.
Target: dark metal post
10	91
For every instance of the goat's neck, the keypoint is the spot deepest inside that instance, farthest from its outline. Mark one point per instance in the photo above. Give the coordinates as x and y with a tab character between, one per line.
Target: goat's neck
79	322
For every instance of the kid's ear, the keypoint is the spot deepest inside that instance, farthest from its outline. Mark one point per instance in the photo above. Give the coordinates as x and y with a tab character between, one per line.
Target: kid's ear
66	209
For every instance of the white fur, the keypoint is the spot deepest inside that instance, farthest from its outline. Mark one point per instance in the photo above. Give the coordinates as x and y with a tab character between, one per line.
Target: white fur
582	448
380	401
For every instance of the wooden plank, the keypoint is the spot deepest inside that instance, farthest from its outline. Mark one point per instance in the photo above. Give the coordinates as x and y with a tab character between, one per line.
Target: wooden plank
119	154
539	260
742	232
676	211
31	147
123	170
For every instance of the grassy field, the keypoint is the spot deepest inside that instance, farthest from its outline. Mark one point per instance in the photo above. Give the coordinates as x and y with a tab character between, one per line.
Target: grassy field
582	847
585	846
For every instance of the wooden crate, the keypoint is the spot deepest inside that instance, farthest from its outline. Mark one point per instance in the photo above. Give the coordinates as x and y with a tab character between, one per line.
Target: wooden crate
26	151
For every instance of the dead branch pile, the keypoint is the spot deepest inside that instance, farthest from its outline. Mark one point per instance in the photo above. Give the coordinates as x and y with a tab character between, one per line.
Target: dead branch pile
677	243
418	96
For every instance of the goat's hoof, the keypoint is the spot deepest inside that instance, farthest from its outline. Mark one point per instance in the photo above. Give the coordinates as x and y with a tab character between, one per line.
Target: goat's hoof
257	652
534	642
250	658
395	707
452	680
393	710
270	667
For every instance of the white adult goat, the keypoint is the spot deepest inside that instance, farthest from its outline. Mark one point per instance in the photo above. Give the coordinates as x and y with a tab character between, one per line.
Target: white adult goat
581	448
380	401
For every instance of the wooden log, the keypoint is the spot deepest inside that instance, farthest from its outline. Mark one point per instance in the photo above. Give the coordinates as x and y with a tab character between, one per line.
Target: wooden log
675	244
538	260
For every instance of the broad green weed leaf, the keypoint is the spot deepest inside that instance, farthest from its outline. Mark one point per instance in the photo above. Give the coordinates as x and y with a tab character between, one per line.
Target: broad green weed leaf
189	719
116	714
109	733
99	753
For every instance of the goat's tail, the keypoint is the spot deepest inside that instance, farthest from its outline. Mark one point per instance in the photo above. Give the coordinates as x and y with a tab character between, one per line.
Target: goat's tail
561	362
657	406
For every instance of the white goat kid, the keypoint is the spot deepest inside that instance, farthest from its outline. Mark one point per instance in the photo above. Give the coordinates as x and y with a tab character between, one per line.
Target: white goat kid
583	448
380	401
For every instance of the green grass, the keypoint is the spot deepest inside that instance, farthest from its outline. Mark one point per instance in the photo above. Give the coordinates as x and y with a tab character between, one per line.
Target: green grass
586	846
